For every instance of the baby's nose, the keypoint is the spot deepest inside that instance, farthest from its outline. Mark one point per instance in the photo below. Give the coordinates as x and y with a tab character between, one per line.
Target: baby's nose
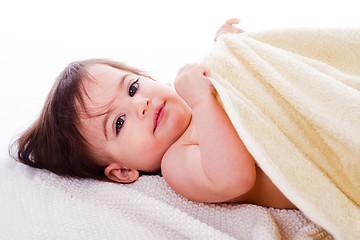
142	107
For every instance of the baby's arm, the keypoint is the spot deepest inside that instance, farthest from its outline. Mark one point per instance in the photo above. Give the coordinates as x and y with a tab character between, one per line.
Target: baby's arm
219	167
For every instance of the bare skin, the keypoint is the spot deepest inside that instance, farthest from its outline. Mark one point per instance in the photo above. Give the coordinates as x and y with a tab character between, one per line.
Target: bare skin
210	163
148	126
263	193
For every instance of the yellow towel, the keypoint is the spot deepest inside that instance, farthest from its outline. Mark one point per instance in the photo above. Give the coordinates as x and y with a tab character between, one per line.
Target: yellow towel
294	99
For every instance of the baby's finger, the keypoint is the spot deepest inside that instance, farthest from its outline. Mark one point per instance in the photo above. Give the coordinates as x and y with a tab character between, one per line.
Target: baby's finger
207	72
232	21
238	30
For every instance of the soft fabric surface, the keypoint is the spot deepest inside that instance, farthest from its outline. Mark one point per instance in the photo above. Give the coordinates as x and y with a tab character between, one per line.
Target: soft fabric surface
294	98
36	204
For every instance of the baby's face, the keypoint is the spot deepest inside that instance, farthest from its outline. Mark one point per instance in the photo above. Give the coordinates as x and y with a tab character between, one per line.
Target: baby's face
136	119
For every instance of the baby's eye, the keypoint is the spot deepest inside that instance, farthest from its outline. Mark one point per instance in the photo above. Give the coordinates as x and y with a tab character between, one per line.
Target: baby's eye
133	88
119	123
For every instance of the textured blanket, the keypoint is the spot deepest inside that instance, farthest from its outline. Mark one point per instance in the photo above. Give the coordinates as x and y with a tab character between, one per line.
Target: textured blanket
294	98
38	205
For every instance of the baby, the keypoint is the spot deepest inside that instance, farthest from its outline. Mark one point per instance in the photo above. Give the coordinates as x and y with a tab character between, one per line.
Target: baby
106	120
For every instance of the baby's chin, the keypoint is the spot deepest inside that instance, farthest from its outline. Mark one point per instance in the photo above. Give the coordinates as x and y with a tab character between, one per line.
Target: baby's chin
180	124
179	130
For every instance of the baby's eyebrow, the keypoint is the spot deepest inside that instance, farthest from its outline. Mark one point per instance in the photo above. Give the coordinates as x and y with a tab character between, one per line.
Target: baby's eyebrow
108	113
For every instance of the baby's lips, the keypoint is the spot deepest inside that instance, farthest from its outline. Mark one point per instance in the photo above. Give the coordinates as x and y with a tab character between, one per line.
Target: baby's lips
158	114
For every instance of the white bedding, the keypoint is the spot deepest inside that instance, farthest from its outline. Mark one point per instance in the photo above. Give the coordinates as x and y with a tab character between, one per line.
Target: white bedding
36	204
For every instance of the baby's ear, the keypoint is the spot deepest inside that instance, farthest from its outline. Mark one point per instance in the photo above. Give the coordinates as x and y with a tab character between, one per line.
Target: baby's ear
117	173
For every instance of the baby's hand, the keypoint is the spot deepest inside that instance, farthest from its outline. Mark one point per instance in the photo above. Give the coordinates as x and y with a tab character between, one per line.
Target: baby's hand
228	27
193	85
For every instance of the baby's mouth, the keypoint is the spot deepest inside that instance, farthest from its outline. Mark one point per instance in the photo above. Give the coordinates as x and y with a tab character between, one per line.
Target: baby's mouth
158	115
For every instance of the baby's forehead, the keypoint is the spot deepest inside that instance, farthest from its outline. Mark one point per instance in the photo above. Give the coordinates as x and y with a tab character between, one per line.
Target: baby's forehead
102	77
103	73
103	84
99	88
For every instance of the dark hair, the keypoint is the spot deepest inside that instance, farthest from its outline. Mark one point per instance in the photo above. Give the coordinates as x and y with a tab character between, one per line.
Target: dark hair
54	141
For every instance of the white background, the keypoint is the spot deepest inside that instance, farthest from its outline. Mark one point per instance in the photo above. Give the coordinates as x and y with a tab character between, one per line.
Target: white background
39	38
